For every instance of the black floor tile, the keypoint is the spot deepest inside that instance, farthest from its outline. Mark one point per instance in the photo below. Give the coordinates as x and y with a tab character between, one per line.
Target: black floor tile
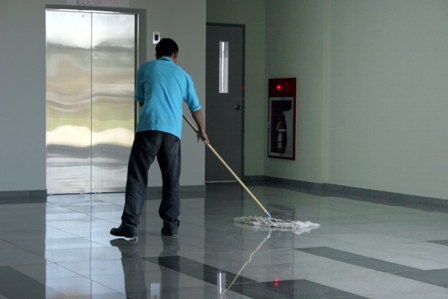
440	242
357	260
16	285
434	277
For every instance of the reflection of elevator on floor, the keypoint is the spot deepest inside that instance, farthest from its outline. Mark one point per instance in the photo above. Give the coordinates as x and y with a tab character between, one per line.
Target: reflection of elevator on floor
91	62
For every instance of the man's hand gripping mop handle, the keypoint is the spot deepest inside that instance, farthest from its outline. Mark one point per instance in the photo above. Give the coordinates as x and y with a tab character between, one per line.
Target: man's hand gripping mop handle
229	169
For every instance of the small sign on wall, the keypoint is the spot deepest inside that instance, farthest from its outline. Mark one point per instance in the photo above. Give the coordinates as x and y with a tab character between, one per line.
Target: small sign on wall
116	3
282	118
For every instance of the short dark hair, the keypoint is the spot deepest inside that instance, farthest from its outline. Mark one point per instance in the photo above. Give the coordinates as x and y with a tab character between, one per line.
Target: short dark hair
166	47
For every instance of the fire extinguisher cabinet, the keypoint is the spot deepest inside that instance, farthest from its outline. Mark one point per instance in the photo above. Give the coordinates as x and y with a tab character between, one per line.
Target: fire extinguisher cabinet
282	118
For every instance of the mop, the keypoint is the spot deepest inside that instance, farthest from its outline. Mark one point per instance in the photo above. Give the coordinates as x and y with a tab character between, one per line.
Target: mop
275	223
258	228
256	220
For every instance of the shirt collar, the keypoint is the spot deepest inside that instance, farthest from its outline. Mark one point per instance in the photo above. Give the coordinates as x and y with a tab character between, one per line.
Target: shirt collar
166	58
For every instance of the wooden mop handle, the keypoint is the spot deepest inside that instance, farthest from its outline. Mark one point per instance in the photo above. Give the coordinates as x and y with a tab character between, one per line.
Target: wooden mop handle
228	168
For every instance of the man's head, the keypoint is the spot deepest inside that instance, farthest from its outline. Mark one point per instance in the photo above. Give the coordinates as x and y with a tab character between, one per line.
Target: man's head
167	47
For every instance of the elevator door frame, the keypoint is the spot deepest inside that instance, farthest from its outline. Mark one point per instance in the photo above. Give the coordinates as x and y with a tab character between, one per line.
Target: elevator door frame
140	57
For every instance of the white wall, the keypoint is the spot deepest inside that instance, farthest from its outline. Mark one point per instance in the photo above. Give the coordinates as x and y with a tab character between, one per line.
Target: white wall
251	13
372	92
389	96
22	84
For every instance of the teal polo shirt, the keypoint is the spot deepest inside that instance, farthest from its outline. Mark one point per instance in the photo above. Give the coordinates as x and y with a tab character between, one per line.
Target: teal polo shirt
162	86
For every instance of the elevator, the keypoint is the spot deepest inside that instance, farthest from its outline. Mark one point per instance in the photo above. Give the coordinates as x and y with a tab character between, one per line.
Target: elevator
90	110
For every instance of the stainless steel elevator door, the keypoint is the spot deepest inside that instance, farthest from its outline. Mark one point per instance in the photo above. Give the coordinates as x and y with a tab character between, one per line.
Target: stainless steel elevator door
90	108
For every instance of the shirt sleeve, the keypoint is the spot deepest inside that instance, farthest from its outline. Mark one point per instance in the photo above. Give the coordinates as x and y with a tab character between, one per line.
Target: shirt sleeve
191	98
139	94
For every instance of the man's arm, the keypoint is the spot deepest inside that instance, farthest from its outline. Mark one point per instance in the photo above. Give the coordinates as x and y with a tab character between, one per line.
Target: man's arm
197	116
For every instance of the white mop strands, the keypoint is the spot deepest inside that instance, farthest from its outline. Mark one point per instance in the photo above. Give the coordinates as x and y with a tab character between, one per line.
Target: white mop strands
275	223
260	228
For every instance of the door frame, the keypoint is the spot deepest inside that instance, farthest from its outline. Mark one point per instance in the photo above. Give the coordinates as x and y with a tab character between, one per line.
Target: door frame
140	41
243	101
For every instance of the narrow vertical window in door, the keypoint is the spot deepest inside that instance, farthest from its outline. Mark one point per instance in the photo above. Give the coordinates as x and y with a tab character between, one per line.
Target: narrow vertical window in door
223	67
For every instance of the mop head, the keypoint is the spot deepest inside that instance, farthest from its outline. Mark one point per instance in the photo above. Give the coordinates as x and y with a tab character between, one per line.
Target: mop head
259	228
275	223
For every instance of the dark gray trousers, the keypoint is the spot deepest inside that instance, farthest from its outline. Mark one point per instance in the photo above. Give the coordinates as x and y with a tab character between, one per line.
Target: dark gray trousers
146	147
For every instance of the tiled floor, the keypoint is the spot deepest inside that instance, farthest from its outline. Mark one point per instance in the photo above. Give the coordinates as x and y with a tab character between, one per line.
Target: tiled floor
62	249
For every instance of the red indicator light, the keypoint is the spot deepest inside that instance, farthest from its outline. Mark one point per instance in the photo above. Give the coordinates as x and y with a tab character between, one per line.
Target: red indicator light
276	282
278	87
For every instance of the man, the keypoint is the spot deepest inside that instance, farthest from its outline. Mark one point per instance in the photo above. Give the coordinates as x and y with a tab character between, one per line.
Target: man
161	88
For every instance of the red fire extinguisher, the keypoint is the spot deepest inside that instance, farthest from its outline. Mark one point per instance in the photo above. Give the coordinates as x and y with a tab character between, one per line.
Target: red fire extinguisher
281	135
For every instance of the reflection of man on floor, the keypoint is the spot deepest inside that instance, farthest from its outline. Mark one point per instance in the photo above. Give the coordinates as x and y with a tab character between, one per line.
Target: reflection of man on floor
134	279
169	267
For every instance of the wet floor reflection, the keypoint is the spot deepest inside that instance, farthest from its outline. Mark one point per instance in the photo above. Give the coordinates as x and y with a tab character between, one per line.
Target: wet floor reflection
169	268
134	278
62	249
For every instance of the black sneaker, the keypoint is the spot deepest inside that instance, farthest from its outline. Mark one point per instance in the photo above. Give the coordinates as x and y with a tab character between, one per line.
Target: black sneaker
123	232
